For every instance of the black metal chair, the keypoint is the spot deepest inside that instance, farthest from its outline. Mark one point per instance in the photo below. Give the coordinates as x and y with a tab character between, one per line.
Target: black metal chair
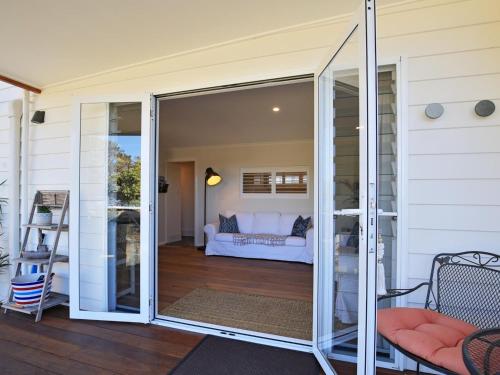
464	286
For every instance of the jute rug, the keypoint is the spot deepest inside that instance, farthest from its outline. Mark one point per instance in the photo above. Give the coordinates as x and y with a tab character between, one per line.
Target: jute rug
278	316
220	356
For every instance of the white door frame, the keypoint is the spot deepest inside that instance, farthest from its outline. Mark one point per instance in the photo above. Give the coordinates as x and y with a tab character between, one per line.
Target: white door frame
145	205
363	22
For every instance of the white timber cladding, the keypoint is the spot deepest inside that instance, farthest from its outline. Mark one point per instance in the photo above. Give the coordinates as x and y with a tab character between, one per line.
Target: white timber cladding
10	117
93	202
450	50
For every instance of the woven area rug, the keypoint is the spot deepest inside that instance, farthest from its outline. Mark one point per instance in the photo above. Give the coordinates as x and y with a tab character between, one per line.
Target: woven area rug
220	356
278	316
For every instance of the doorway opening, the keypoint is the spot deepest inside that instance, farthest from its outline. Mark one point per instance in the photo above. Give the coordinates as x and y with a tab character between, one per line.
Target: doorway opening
177	205
244	269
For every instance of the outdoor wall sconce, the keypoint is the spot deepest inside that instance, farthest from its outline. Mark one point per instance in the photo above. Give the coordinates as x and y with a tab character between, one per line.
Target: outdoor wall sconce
484	108
38	117
162	185
434	110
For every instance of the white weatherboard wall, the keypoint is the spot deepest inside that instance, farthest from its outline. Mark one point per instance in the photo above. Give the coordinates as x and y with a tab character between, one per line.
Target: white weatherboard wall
10	116
93	260
228	160
450	51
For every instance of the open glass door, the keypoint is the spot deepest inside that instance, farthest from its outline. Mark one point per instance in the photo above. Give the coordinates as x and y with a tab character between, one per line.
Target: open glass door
346	204
110	209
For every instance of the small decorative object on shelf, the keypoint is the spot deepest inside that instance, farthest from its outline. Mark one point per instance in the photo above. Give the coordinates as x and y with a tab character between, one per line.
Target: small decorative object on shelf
27	289
36	254
43	215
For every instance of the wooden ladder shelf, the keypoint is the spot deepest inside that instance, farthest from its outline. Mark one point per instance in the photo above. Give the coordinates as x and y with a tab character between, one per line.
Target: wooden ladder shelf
58	200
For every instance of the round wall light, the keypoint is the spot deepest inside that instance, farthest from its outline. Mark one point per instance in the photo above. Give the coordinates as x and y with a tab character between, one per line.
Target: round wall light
276	109
484	108
434	110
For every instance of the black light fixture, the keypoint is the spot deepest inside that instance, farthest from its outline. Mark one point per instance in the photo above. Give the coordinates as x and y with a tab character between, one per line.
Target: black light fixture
212	178
38	117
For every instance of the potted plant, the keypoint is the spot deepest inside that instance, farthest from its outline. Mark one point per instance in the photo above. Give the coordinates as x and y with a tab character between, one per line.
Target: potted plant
43	215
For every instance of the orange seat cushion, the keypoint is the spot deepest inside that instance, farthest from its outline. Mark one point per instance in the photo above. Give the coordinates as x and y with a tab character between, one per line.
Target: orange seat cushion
435	337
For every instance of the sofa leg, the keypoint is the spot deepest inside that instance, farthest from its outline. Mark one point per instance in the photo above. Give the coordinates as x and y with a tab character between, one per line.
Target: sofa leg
418	368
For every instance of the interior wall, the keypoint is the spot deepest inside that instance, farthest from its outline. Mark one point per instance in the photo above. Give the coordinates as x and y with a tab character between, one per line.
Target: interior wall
187	199
173	201
178	203
228	161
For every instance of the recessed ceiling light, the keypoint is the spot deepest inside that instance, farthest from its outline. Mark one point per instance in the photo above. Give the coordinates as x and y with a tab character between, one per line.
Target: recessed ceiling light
276	109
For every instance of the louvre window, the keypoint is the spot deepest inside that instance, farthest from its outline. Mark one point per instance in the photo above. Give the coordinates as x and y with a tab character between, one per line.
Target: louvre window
291	182
257	182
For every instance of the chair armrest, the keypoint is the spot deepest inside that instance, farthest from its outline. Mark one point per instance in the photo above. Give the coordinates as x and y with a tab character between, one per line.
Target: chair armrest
211	230
391	293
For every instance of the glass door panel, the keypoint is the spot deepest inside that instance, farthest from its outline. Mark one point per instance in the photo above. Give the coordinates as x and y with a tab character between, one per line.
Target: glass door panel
111	243
346	207
388	162
339	225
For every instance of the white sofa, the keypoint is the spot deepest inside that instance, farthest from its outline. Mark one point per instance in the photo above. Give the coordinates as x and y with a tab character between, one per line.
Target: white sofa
296	249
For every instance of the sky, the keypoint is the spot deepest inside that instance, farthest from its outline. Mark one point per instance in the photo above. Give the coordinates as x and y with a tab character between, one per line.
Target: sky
130	144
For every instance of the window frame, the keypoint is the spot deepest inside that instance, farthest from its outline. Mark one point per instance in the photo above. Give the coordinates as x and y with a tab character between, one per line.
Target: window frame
273	194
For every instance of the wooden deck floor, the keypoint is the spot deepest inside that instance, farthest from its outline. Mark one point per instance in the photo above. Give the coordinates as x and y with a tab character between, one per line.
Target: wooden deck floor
57	345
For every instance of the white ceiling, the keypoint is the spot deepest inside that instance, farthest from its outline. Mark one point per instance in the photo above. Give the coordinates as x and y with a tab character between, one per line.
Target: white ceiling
45	42
243	116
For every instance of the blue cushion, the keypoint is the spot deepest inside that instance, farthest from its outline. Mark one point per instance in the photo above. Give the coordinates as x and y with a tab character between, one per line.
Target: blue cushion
228	225
300	226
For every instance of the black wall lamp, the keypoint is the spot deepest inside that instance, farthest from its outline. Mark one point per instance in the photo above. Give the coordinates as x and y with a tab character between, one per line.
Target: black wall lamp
38	117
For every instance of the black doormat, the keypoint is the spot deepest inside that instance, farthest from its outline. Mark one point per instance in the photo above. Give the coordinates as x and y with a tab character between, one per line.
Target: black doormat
220	356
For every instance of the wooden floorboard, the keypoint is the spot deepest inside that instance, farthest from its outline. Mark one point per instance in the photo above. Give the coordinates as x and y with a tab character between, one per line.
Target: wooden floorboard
57	345
181	269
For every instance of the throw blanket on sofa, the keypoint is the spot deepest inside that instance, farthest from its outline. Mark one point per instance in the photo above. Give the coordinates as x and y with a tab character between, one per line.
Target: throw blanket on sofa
241	239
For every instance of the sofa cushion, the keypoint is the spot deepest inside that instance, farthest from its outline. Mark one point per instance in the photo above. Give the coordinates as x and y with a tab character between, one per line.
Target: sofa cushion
245	220
266	222
224	237
228	224
295	241
427	334
286	224
300	226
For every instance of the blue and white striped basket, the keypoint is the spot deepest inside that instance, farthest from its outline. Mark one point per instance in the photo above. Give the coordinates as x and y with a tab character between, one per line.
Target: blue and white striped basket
27	289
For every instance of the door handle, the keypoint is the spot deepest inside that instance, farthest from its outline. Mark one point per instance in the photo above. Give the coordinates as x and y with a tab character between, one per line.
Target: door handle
393	215
347	212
